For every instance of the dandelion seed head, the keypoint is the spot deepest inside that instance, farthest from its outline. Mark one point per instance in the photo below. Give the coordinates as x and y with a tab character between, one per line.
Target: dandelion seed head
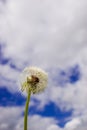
33	78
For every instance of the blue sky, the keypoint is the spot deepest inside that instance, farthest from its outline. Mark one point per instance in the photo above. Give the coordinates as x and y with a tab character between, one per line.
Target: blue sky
51	35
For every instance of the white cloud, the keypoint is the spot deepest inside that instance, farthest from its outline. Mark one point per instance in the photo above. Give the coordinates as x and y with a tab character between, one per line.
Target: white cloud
51	30
54	127
10	118
73	124
76	123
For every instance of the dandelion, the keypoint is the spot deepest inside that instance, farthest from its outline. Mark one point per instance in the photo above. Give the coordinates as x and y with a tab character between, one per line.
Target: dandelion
33	80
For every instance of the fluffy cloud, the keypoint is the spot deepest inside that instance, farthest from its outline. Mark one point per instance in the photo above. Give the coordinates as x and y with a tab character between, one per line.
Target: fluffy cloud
76	123
11	118
73	124
51	30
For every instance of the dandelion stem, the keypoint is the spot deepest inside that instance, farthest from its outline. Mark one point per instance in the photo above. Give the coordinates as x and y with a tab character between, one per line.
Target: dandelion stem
26	110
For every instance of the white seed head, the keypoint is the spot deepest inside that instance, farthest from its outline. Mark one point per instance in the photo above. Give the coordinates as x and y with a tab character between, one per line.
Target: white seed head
33	78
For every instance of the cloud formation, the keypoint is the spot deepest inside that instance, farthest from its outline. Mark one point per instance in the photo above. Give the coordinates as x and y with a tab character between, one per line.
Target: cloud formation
51	30
11	118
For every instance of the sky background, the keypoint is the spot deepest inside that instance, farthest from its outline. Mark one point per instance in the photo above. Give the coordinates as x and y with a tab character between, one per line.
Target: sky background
52	35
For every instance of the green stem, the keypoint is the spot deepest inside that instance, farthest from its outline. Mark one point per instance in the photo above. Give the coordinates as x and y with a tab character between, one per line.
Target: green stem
26	110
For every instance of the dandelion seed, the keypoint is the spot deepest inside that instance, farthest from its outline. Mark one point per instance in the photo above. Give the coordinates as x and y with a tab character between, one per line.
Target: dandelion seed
33	78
